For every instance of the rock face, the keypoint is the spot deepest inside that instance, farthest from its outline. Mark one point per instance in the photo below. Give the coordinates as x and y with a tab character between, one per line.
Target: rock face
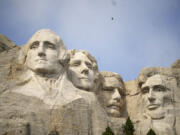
133	96
176	64
43	100
47	90
5	43
159	98
8	56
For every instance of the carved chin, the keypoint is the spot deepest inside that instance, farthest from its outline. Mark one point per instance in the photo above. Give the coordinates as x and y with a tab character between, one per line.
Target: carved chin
113	113
156	114
85	84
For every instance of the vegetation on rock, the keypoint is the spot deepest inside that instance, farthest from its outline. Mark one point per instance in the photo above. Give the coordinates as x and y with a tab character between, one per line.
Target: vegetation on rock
108	131
151	132
128	128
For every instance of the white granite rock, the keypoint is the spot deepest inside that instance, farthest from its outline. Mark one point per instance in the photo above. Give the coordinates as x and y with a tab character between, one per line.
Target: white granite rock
47	90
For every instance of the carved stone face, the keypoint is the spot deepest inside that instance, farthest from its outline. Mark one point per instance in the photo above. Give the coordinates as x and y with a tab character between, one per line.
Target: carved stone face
81	71
112	98
155	93
43	54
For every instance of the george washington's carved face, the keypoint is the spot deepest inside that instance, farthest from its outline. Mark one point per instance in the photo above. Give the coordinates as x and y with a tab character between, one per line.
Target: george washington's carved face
81	71
43	53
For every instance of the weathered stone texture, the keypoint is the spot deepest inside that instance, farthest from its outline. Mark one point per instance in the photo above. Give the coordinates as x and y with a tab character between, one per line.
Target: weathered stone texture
45	93
176	64
41	100
5	43
133	99
8	58
166	94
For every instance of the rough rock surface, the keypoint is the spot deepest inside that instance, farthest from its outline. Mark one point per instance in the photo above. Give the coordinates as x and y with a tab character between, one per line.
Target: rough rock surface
116	125
133	96
8	56
5	43
40	102
41	105
168	116
23	114
176	64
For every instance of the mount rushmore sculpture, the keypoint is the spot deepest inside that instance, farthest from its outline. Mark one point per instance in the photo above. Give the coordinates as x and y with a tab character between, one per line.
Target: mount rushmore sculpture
48	90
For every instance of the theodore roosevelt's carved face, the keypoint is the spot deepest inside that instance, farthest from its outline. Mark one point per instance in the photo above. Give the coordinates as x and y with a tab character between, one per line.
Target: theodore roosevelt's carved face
81	71
155	93
112	96
43	53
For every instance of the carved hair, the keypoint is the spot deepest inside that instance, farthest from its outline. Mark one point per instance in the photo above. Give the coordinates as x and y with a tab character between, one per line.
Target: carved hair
94	66
63	56
90	57
105	74
149	72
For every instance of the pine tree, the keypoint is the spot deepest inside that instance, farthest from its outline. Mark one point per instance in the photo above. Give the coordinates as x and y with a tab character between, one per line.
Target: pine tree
128	128
108	131
151	132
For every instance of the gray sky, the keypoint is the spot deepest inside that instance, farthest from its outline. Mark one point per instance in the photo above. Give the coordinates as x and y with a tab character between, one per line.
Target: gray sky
123	35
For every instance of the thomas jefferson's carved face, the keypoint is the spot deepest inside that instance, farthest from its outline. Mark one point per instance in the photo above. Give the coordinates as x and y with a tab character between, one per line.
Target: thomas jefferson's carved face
43	53
112	96
81	71
155	93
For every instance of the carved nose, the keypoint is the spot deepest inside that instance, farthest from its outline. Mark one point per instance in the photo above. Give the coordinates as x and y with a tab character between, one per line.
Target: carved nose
151	97
116	95
85	71
41	54
41	51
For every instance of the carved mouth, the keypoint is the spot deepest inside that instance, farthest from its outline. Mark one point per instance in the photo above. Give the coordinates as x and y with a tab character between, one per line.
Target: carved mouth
114	106
153	106
85	78
41	59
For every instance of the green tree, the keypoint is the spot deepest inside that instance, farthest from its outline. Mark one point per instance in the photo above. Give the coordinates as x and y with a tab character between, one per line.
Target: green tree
151	132
128	128
108	131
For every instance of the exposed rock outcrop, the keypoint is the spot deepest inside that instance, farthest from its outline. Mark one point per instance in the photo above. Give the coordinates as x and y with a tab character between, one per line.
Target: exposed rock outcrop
8	62
5	43
47	90
176	64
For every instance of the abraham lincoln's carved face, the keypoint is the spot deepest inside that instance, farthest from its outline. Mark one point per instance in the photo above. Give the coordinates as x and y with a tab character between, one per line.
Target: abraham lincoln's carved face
155	93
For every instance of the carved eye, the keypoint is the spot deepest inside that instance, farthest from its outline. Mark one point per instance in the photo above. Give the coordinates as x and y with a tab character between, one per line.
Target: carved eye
89	65
108	89
34	45
145	90
159	88
76	63
49	45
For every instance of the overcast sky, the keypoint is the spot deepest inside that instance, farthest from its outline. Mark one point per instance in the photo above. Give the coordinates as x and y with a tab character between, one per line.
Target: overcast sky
123	35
